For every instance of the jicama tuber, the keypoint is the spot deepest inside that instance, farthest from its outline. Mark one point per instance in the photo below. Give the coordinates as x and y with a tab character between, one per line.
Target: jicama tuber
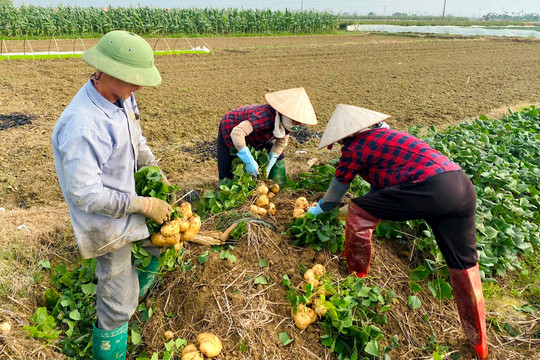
257	210
271	209
159	239
190	352
299	213
270	195
185	210
262	201
170	228
194	227
209	344
183	223
318	270
168	334
318	307
274	188
262	190
303	317
5	327
301	203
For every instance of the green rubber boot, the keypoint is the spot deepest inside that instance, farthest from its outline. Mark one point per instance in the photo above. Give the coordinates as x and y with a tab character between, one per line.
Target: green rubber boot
277	173
147	276
110	344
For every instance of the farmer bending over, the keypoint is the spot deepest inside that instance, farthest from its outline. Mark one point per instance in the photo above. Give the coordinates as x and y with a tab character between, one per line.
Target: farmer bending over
258	126
98	146
409	180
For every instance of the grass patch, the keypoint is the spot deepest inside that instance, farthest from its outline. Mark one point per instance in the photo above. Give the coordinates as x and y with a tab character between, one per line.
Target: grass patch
63	56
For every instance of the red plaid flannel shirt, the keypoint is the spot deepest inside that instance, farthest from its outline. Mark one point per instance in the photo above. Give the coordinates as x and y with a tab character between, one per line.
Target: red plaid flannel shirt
262	117
387	157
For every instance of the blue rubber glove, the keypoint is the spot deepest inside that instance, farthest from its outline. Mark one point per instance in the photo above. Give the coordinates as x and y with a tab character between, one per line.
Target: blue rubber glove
316	210
251	165
273	158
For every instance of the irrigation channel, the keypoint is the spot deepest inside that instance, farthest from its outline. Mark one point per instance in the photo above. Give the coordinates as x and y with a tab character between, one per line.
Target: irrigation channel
453	30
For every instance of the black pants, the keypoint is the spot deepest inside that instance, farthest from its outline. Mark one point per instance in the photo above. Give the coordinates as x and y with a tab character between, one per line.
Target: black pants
225	158
447	202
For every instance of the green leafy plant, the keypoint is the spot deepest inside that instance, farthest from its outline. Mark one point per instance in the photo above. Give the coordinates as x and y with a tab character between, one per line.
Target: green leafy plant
43	325
321	231
232	193
353	311
149	182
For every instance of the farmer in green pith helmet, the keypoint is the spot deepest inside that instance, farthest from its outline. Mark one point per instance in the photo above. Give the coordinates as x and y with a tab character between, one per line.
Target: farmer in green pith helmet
98	146
258	126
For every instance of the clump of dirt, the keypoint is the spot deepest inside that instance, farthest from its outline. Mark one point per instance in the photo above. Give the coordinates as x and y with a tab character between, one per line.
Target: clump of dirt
304	134
14	119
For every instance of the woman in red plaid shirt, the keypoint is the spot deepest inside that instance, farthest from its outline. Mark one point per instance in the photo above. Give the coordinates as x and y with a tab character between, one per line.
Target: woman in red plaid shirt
409	180
263	126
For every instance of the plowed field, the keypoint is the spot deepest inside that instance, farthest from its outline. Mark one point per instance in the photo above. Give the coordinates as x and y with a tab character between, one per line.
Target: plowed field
419	80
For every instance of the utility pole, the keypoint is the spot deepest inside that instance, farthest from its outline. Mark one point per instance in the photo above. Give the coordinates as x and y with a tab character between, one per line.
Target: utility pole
443	9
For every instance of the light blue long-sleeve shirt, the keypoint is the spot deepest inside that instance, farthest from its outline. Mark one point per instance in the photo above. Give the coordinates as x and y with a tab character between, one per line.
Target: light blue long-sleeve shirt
97	148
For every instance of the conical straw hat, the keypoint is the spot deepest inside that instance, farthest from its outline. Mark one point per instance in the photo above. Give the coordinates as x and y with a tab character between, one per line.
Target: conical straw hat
347	120
293	103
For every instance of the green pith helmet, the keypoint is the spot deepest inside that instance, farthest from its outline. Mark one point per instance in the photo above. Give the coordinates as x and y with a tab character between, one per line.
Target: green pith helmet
125	56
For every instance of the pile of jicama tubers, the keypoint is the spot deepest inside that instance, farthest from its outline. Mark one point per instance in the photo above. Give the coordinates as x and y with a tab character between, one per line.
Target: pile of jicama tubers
265	192
301	205
305	315
208	344
179	230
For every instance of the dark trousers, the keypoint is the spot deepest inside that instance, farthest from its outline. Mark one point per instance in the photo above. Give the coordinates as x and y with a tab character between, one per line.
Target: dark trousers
447	202
225	158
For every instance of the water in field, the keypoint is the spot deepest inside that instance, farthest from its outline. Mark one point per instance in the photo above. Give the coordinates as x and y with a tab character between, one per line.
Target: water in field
454	30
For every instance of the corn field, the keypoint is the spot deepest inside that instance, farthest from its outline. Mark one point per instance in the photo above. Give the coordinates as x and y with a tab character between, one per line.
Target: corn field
69	21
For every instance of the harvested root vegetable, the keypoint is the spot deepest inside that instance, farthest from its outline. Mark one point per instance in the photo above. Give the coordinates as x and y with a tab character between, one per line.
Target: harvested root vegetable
271	209
262	189
194	227
209	344
274	188
299	213
5	327
185	210
262	201
190	352
270	195
182	223
301	203
178	246
159	239
318	307
170	228
318	270
303	317
314	282
309	274
257	210
168	334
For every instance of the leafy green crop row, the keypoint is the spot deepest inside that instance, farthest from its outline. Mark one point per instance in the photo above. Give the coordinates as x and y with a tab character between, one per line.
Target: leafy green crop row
143	20
502	157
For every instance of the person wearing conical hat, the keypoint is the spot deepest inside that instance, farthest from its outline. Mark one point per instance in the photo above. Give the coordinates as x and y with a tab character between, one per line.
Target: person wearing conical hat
409	180
263	126
98	146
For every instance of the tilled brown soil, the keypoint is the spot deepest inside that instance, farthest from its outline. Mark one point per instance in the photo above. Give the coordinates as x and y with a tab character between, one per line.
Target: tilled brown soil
418	80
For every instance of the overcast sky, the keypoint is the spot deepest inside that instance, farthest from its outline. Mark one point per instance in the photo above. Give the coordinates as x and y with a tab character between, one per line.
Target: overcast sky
380	7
